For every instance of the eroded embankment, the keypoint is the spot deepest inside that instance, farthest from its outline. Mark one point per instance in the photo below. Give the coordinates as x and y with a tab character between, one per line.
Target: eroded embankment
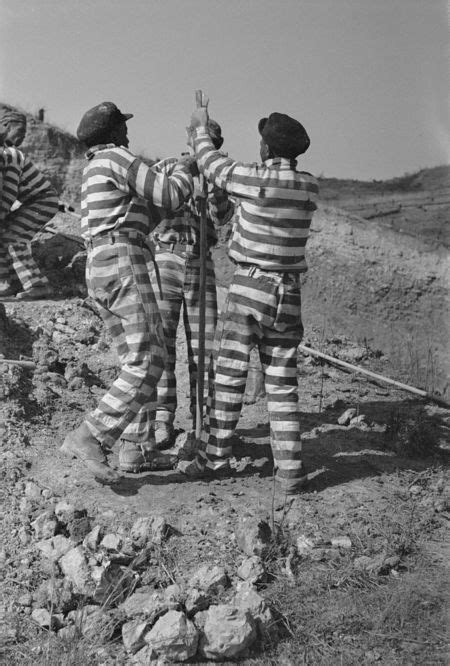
369	282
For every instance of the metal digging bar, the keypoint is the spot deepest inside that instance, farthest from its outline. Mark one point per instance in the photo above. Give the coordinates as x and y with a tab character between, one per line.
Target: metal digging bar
202	295
375	376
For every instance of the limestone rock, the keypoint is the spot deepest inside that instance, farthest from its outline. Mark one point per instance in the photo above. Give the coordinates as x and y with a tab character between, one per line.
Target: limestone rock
148	603
173	637
92	539
209	579
42	617
253	536
55	547
32	491
93	622
346	416
45	525
252	570
145	657
75	567
111	542
227	632
248	599
113	584
133	635
147	529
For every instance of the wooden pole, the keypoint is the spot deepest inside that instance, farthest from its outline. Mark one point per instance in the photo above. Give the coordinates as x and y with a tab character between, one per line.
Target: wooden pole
22	364
202	295
373	375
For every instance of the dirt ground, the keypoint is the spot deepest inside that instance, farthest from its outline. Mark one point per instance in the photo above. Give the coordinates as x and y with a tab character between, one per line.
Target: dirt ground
379	482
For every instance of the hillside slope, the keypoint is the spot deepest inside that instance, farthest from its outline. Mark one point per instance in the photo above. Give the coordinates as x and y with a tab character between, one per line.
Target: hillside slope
56	152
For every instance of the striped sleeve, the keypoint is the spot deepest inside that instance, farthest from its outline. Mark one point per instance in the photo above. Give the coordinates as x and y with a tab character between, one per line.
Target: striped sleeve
38	199
236	178
163	190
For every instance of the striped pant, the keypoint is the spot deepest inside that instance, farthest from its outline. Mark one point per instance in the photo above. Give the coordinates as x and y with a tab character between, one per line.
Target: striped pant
262	309
117	273
16	259
180	284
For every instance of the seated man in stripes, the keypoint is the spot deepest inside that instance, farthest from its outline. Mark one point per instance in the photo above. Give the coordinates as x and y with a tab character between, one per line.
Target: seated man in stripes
28	203
119	193
263	305
177	241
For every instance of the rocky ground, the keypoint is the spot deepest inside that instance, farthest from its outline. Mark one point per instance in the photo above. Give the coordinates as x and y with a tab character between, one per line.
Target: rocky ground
160	570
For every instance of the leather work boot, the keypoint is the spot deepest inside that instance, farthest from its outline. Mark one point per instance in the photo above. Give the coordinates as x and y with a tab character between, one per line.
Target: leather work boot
294	488
7	289
164	435
196	470
135	457
82	444
35	293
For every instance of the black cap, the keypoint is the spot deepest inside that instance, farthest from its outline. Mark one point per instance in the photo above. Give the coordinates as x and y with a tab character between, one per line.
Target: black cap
99	120
284	135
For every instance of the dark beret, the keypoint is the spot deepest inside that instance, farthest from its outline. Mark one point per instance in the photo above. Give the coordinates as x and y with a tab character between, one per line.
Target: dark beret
284	135
99	120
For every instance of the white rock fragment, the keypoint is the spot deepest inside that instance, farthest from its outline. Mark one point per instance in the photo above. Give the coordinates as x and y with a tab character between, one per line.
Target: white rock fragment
111	542
347	416
252	570
341	542
148	603
253	536
42	617
32	491
209	578
173	637
248	599
55	547
93	622
92	539
75	567
304	544
45	525
227	631
147	529
359	420
133	633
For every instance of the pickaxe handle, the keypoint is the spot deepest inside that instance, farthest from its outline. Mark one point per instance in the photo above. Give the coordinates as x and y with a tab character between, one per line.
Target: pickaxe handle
199	99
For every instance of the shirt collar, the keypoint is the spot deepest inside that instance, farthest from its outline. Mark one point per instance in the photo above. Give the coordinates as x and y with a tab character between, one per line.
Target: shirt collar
101	146
281	163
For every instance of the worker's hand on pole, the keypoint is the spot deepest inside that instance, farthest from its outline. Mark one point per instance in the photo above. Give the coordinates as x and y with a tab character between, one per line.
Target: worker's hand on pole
199	117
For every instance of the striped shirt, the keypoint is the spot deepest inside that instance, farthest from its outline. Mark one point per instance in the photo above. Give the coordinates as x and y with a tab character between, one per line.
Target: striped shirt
183	225
119	192
24	184
276	205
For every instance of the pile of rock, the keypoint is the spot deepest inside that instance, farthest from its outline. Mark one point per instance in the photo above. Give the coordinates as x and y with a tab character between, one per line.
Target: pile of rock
101	584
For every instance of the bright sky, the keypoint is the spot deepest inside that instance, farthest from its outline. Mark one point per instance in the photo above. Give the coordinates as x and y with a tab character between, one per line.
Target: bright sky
367	78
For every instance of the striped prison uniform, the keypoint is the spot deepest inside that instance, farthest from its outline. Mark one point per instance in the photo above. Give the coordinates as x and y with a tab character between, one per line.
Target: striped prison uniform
177	242
119	196
263	304
28	201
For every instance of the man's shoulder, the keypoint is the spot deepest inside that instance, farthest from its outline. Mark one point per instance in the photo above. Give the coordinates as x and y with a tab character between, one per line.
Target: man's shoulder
115	156
13	155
